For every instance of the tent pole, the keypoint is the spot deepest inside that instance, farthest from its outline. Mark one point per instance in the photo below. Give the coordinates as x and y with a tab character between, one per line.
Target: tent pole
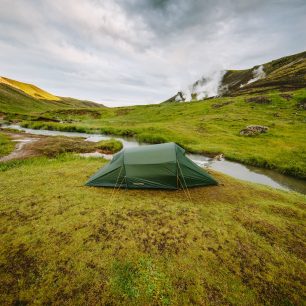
113	191
184	190
117	190
188	193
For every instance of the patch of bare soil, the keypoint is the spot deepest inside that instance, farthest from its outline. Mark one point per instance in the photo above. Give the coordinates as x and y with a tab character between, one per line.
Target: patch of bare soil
259	100
22	141
29	145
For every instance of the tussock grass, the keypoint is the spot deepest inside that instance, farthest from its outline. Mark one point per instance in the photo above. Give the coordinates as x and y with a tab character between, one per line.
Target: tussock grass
64	243
6	145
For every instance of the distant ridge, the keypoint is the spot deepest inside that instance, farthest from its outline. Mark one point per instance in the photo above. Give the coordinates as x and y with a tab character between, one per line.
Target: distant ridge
20	97
29	89
285	74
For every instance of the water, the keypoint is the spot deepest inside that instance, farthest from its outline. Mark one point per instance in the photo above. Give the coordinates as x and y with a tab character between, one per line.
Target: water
234	169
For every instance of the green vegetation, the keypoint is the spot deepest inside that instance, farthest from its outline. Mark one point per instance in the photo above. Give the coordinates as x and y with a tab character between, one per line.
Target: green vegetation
6	145
233	244
52	146
63	243
210	126
22	98
109	145
286	73
29	89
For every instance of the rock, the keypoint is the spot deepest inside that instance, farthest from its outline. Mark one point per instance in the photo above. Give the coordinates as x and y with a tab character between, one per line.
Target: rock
259	100
302	105
253	130
218	105
219	157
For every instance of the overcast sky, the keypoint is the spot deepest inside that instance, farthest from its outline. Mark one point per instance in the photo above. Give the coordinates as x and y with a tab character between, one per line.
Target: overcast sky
122	52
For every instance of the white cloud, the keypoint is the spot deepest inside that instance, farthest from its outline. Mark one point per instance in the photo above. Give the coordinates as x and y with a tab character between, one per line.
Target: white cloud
141	51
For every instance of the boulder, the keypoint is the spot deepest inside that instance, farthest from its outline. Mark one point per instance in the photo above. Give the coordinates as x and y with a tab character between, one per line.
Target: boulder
302	104
253	130
219	157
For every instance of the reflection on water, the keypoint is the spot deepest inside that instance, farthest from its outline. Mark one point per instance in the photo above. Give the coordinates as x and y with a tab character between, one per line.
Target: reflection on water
251	173
235	169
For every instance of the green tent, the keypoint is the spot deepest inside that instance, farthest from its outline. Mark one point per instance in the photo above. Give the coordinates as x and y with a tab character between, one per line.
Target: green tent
161	166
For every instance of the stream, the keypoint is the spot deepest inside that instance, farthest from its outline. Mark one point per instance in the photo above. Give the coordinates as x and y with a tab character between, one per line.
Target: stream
234	169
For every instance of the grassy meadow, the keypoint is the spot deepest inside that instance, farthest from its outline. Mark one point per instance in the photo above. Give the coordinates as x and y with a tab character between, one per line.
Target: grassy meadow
210	126
66	244
237	243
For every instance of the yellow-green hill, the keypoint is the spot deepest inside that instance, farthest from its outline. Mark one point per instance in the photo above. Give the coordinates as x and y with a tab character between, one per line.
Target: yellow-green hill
30	89
23	98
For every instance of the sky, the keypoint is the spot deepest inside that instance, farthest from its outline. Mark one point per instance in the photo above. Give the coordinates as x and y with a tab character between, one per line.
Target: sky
126	52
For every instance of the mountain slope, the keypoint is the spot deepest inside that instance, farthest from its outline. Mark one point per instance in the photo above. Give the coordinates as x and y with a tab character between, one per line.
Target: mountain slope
29	89
284	74
19	97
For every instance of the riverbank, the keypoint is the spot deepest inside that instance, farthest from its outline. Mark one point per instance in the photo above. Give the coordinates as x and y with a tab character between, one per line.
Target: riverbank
63	242
29	145
202	127
234	169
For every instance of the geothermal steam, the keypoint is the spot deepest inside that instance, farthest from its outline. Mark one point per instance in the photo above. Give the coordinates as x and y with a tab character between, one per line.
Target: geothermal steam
203	88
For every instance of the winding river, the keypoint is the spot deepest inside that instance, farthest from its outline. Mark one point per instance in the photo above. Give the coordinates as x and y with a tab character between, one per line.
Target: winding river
234	169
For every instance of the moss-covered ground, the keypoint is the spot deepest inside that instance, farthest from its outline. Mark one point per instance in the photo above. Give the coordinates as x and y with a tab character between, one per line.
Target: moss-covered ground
66	244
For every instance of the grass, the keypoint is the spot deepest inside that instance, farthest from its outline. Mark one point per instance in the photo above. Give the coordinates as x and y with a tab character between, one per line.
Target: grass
6	145
30	89
202	127
16	101
64	243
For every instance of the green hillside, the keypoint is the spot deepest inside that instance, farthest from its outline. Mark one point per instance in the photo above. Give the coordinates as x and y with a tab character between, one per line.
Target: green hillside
29	89
18	97
284	74
210	126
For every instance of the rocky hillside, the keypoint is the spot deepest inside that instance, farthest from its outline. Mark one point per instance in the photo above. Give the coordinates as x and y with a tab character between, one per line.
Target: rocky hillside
284	74
21	97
